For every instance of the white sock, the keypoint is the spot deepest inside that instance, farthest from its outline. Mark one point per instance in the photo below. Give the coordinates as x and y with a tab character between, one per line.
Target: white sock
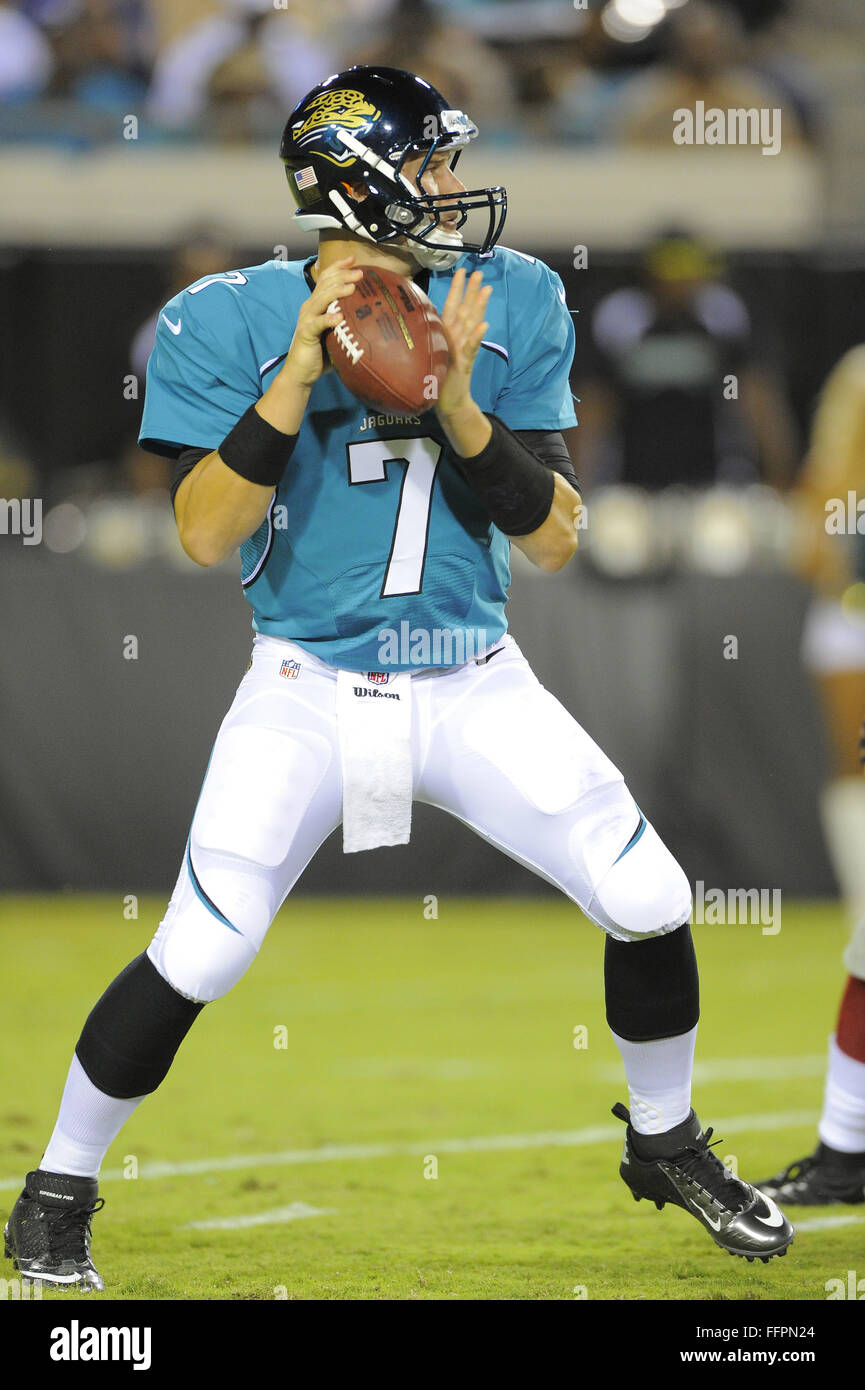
842	813
88	1122
842	1124
659	1080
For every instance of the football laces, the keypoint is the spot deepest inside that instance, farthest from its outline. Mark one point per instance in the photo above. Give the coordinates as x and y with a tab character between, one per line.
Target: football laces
344	336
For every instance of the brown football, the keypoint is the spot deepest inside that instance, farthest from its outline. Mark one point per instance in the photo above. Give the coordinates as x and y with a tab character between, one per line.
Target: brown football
390	349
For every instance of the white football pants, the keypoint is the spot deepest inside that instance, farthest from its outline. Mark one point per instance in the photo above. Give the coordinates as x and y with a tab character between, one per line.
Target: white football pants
489	744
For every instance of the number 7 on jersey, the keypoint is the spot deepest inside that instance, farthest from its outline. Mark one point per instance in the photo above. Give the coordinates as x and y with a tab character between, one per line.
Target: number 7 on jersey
367	463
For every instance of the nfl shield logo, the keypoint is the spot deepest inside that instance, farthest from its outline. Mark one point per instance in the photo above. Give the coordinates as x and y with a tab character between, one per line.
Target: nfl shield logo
377	677
290	669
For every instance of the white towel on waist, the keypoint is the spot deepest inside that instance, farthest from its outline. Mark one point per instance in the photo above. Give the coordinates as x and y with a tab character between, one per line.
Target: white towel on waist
374	723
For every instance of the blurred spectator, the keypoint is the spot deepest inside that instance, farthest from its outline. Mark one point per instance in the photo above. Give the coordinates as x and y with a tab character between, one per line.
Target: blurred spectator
585	78
18	478
99	51
707	63
772	56
240	106
198	251
653	409
277	54
26	61
231	69
466	69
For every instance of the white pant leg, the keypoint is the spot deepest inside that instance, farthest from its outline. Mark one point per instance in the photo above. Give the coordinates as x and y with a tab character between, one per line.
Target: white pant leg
505	757
272	794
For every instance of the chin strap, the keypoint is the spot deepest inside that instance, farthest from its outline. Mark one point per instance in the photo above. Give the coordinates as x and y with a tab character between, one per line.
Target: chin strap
348	218
435	255
431	257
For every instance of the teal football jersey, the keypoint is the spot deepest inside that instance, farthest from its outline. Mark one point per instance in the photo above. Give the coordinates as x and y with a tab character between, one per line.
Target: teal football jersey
375	554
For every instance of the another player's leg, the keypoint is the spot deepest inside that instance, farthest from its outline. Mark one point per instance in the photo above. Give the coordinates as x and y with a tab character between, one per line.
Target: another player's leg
507	759
834	653
835	1171
271	796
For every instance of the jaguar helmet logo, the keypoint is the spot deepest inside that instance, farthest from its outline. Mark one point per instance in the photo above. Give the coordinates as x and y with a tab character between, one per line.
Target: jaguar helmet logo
343	107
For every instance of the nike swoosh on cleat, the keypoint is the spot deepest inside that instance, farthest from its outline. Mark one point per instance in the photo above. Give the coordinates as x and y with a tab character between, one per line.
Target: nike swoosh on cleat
775	1217
716	1225
175	327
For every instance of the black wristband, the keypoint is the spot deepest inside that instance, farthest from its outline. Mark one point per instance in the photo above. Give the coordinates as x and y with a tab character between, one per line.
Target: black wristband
256	450
513	486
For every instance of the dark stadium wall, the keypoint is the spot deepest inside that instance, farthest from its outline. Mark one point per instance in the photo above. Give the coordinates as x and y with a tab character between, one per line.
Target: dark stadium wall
70	317
102	757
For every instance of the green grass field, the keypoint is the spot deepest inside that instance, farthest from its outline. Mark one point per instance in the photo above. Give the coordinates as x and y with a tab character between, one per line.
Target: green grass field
410	1045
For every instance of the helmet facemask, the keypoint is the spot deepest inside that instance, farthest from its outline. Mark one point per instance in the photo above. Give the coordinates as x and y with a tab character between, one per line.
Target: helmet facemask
394	209
420	215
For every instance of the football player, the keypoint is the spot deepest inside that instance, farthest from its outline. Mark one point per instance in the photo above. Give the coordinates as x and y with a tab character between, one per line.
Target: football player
834	654
351	524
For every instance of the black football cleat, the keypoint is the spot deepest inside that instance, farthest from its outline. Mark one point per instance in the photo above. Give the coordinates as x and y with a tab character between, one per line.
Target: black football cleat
48	1233
825	1178
679	1167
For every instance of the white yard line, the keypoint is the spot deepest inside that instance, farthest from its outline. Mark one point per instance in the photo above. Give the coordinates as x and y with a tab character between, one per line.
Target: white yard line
827	1223
295	1211
738	1069
436	1069
727	1127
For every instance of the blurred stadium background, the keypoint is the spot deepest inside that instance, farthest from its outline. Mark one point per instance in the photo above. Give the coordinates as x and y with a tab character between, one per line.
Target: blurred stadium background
139	143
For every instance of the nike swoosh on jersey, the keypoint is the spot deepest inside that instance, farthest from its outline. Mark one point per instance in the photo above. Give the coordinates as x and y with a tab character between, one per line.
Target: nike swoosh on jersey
561	294
175	327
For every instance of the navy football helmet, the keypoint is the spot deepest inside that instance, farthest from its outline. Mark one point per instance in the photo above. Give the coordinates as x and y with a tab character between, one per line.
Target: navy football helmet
360	126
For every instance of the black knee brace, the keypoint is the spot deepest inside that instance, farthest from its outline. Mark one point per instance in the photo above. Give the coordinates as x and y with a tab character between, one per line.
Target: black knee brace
132	1033
652	987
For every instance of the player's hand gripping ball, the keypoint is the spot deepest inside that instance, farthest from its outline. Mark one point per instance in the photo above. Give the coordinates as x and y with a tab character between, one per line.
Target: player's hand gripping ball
390	349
